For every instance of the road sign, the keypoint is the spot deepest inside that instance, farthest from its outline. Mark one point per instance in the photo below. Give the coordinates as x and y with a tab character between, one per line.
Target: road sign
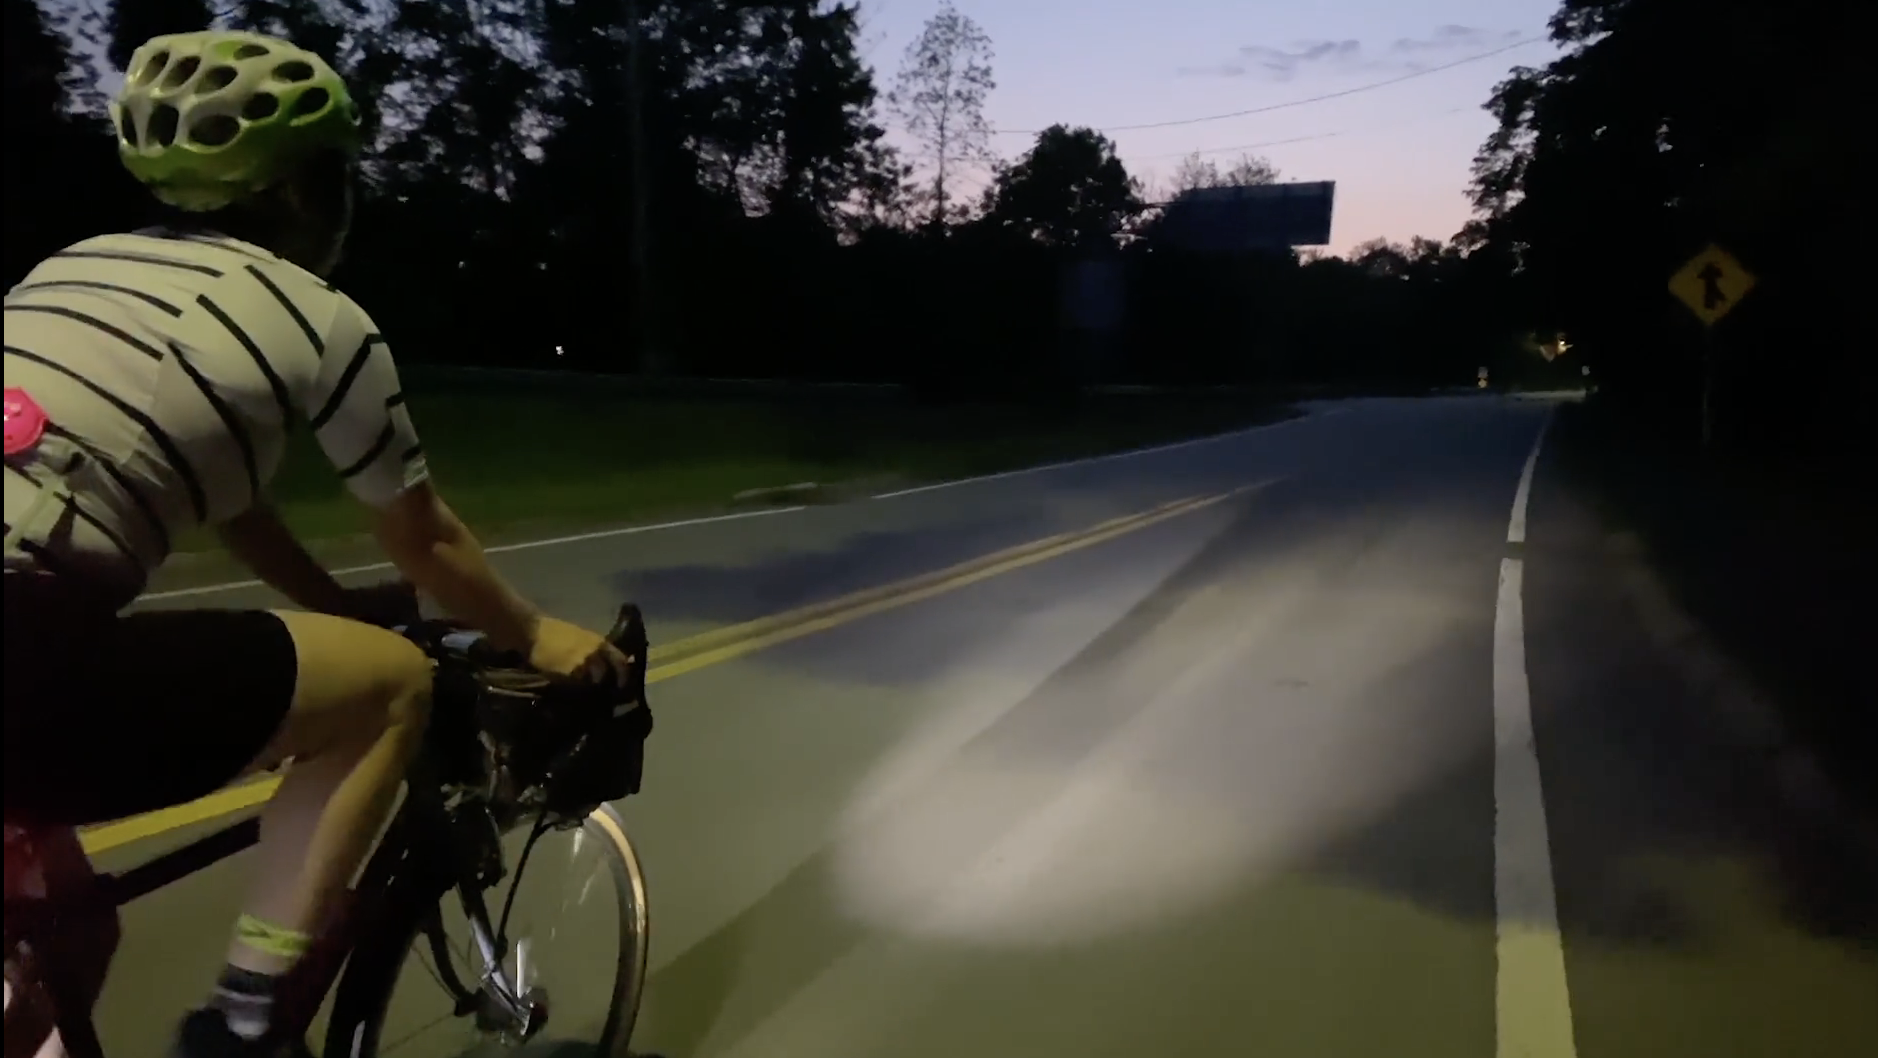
1711	284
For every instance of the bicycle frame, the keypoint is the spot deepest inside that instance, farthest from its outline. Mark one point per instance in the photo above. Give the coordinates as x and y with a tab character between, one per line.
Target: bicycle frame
431	846
424	853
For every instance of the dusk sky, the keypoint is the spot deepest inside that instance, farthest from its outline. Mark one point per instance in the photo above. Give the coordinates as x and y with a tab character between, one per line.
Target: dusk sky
1399	154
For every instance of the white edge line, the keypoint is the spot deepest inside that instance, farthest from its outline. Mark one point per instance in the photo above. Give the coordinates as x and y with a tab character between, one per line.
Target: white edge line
600	534
210	589
1149	450
1516	526
1532	995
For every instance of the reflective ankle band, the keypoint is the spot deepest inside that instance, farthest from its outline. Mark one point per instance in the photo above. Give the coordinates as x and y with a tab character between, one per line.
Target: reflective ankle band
269	939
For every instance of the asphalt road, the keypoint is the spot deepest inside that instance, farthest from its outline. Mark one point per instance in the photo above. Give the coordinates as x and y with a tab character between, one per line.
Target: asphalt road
1250	779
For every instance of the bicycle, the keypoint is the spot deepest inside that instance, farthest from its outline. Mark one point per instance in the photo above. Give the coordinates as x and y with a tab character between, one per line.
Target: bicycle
506	746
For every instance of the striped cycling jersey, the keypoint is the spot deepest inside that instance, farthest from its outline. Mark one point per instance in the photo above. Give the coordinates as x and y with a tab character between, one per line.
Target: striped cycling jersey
170	366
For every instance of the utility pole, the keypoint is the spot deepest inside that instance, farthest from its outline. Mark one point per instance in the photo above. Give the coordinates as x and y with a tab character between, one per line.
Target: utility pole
638	275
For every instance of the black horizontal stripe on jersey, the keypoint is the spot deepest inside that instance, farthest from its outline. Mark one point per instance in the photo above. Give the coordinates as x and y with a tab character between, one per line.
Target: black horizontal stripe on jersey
71	504
371	455
177	461
94	323
254	351
139	258
410	453
123	480
351	374
87	284
229	419
312	333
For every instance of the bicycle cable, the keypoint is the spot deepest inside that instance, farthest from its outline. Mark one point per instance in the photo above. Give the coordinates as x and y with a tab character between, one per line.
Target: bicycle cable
521	864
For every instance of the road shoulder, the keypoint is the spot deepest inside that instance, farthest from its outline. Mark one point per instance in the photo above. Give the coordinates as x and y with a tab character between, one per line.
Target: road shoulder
1710	905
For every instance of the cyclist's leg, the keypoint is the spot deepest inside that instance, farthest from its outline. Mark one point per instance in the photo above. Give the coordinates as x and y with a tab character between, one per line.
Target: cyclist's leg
360	701
359	706
109	716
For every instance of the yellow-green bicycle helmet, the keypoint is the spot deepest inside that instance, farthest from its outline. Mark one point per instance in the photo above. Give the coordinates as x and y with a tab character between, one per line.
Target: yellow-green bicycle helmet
207	118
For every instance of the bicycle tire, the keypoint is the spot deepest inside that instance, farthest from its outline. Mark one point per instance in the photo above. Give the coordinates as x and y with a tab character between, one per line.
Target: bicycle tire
363	998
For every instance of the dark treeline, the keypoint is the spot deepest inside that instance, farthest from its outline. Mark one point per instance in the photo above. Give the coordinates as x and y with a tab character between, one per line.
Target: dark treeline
783	237
1668	125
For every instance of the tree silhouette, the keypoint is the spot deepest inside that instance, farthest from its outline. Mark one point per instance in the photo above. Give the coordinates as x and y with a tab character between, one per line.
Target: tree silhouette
1069	190
939	97
500	180
1613	164
130	24
1196	171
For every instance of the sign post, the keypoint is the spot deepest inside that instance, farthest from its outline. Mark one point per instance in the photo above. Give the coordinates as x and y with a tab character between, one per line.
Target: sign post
1710	284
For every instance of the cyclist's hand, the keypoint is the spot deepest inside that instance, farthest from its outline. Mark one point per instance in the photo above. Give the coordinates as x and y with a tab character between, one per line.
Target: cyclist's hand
569	650
387	605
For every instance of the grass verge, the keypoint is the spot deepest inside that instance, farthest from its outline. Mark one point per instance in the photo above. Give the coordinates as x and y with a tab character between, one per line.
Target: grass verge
538	459
1774	560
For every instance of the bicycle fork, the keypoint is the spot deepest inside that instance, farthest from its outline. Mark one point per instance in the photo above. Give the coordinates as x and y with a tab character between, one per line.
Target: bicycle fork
502	1006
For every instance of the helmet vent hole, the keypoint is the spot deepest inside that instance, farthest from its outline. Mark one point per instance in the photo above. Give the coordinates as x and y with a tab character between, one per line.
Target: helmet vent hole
215	130
178	75
250	51
261	106
311	102
294	71
153	69
218	78
162	129
123	130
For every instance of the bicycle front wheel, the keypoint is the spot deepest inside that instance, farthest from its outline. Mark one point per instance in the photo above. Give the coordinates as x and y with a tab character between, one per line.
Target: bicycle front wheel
577	932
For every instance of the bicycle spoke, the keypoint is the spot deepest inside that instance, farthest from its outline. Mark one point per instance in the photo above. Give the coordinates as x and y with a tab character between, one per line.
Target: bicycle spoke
560	943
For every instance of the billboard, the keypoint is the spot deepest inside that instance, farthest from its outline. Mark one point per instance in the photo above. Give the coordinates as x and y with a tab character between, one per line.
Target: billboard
1249	218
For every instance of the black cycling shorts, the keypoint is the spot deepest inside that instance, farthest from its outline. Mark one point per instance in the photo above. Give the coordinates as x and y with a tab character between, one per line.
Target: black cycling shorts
110	715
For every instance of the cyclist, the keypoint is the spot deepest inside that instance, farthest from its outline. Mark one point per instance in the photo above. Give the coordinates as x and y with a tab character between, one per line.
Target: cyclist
150	381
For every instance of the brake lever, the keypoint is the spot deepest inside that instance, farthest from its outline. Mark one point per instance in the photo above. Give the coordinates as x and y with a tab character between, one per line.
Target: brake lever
629	632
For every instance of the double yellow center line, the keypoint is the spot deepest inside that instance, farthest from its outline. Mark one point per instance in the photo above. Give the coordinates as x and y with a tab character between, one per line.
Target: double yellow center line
722	644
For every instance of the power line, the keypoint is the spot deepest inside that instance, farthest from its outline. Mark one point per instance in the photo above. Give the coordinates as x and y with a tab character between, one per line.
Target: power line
868	50
1301	102
1241	147
1389	127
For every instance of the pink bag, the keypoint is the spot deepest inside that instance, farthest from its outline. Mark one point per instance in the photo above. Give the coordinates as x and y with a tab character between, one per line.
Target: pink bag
25	421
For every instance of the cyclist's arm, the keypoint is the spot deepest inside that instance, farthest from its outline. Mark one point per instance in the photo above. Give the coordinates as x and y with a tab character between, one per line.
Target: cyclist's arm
432	546
267	547
357	412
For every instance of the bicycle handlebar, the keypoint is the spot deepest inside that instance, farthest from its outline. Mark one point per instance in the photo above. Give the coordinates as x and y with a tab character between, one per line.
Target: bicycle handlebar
443	638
